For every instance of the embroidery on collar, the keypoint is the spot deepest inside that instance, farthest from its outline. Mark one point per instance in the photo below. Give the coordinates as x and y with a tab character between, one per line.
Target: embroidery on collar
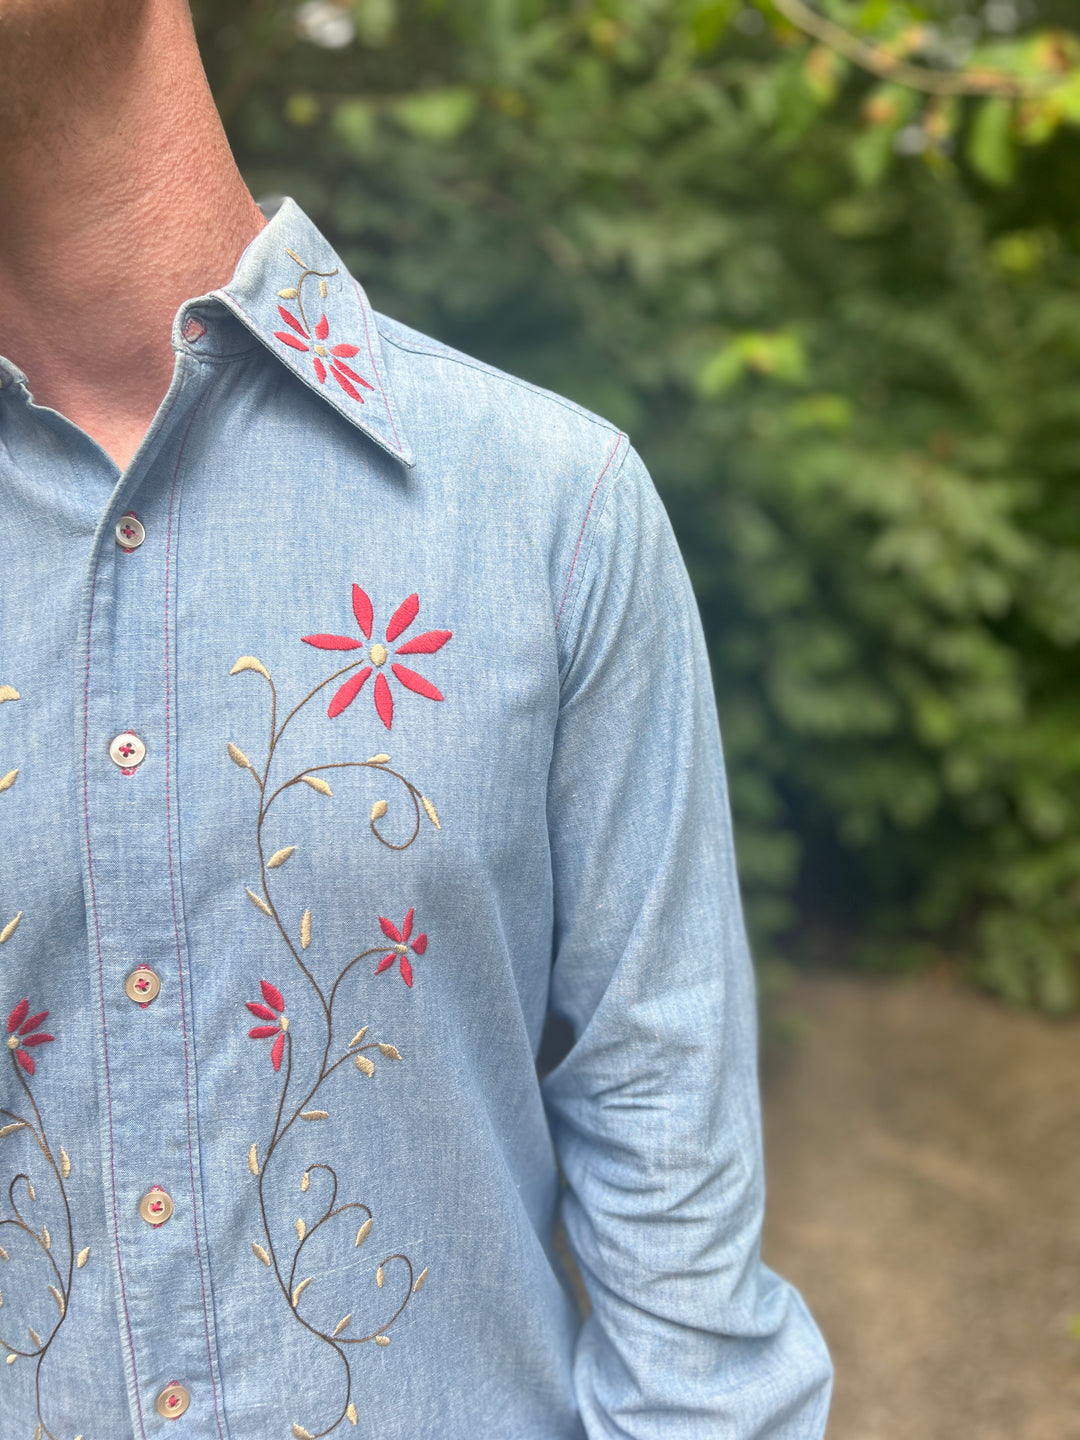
314	340
24	1035
270	1010
400	620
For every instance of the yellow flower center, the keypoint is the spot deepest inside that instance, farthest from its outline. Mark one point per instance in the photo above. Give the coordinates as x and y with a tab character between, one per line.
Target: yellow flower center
13	1042
283	1022
378	654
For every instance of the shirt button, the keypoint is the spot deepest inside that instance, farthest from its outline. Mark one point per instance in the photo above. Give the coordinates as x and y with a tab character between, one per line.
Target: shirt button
142	985
127	751
173	1401
129	532
156	1207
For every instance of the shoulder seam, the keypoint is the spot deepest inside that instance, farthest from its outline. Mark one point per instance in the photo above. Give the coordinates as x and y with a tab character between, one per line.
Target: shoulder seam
585	522
445	353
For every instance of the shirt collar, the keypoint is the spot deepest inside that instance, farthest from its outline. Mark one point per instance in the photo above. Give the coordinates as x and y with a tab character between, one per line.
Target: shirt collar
293	293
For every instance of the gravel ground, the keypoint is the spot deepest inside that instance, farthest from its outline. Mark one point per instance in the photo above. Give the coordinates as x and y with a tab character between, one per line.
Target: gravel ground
923	1160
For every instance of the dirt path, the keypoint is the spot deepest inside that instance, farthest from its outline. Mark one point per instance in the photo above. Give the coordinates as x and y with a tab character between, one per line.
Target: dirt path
924	1194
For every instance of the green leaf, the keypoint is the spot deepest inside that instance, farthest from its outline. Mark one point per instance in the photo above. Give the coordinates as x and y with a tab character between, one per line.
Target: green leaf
437	115
990	146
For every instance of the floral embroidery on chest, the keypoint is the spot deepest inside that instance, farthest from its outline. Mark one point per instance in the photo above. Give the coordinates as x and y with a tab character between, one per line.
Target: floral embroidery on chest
327	357
394	949
54	1258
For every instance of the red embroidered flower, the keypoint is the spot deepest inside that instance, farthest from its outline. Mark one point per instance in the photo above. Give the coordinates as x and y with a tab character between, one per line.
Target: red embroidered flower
401	946
275	1004
402	618
24	1034
332	357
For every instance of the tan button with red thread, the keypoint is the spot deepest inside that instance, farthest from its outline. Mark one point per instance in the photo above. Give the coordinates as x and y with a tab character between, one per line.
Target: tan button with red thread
156	1206
173	1401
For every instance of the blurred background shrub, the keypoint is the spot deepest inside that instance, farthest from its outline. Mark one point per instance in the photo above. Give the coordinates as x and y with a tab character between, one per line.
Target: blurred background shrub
822	264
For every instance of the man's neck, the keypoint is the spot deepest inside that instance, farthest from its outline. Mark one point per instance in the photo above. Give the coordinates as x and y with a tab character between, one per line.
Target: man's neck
109	222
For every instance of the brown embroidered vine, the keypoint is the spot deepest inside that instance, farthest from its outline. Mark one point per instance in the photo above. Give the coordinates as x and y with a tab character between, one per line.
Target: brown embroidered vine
24	1035
270	1011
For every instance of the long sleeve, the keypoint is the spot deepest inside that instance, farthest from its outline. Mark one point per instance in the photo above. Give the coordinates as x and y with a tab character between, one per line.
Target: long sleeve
655	1110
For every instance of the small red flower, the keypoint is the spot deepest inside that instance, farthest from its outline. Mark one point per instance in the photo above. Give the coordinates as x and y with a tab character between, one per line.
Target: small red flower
271	1011
24	1034
424	644
324	357
402	946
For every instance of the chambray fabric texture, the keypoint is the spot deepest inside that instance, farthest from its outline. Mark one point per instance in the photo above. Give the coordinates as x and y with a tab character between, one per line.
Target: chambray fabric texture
541	821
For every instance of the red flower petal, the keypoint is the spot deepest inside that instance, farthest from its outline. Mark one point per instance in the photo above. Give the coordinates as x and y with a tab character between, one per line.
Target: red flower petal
402	617
406	926
345	383
34	1022
289	340
320	370
384	701
361	608
419	945
263	1032
348	692
39	1039
261	1012
425	644
412	681
332	642
322	329
347	350
272	995
277	1050
406	971
292	320
25	1060
18	1015
351	373
390	930
384	963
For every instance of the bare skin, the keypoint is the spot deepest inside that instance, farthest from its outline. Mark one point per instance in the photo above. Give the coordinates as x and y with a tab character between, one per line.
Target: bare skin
119	200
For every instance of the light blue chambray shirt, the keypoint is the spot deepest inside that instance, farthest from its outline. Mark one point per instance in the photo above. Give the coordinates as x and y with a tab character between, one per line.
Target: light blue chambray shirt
368	715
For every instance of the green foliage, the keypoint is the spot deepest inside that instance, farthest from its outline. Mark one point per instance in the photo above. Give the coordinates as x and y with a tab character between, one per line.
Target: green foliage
841	321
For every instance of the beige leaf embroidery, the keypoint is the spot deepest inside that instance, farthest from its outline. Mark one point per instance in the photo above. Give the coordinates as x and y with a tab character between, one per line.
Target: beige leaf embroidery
10	928
56	1295
420	1281
364	1065
379	759
301	1229
1	1299
380	1277
379	809
289	293
350	1413
46	1238
237	756
260	1254
30	1190
84	1255
305	930
300	1290
3	1254
305	1180
8	780
11	1359
390	1051
8	692
293	256
382	1339
279	857
358	1036
323	292
314	1114
34	1336
429	811
65	1163
260	904
248	662
301	1433
253	1159
318	783
10	1129
342	1323
363	1232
